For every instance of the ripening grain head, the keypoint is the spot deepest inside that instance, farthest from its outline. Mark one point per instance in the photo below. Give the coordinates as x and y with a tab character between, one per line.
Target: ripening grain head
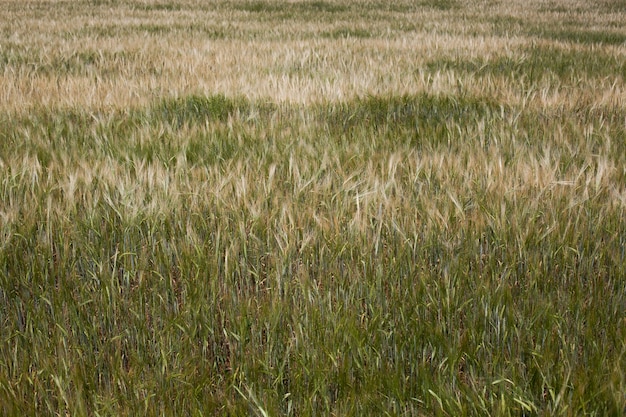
115	57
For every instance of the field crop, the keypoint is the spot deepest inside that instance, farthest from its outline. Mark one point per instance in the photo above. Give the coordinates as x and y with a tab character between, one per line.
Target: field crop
335	207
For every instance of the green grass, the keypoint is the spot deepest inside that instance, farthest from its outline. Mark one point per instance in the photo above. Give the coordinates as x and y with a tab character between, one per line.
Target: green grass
292	8
337	281
83	63
584	36
537	63
347	33
163	6
445	252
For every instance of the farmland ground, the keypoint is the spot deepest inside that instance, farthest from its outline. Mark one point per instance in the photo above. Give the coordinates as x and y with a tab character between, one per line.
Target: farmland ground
303	208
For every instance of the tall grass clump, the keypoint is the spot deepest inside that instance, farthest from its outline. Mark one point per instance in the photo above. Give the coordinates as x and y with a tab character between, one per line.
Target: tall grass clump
353	230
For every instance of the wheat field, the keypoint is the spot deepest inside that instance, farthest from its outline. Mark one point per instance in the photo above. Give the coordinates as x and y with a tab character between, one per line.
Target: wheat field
313	207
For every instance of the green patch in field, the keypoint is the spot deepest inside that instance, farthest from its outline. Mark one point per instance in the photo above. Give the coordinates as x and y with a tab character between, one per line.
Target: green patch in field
443	5
613	6
414	120
597	8
259	7
209	141
154	28
506	25
164	29
570	31
86	62
582	36
149	7
114	31
198	147
322	6
48	134
410	6
571	64
262	6
534	63
82	62
104	2
562	8
195	109
151	133
110	30
346	33
13	55
211	148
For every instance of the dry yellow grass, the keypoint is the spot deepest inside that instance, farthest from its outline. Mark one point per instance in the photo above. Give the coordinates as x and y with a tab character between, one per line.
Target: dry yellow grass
335	207
120	54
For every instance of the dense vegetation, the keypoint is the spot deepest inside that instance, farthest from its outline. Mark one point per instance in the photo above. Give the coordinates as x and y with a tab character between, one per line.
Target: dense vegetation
312	208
